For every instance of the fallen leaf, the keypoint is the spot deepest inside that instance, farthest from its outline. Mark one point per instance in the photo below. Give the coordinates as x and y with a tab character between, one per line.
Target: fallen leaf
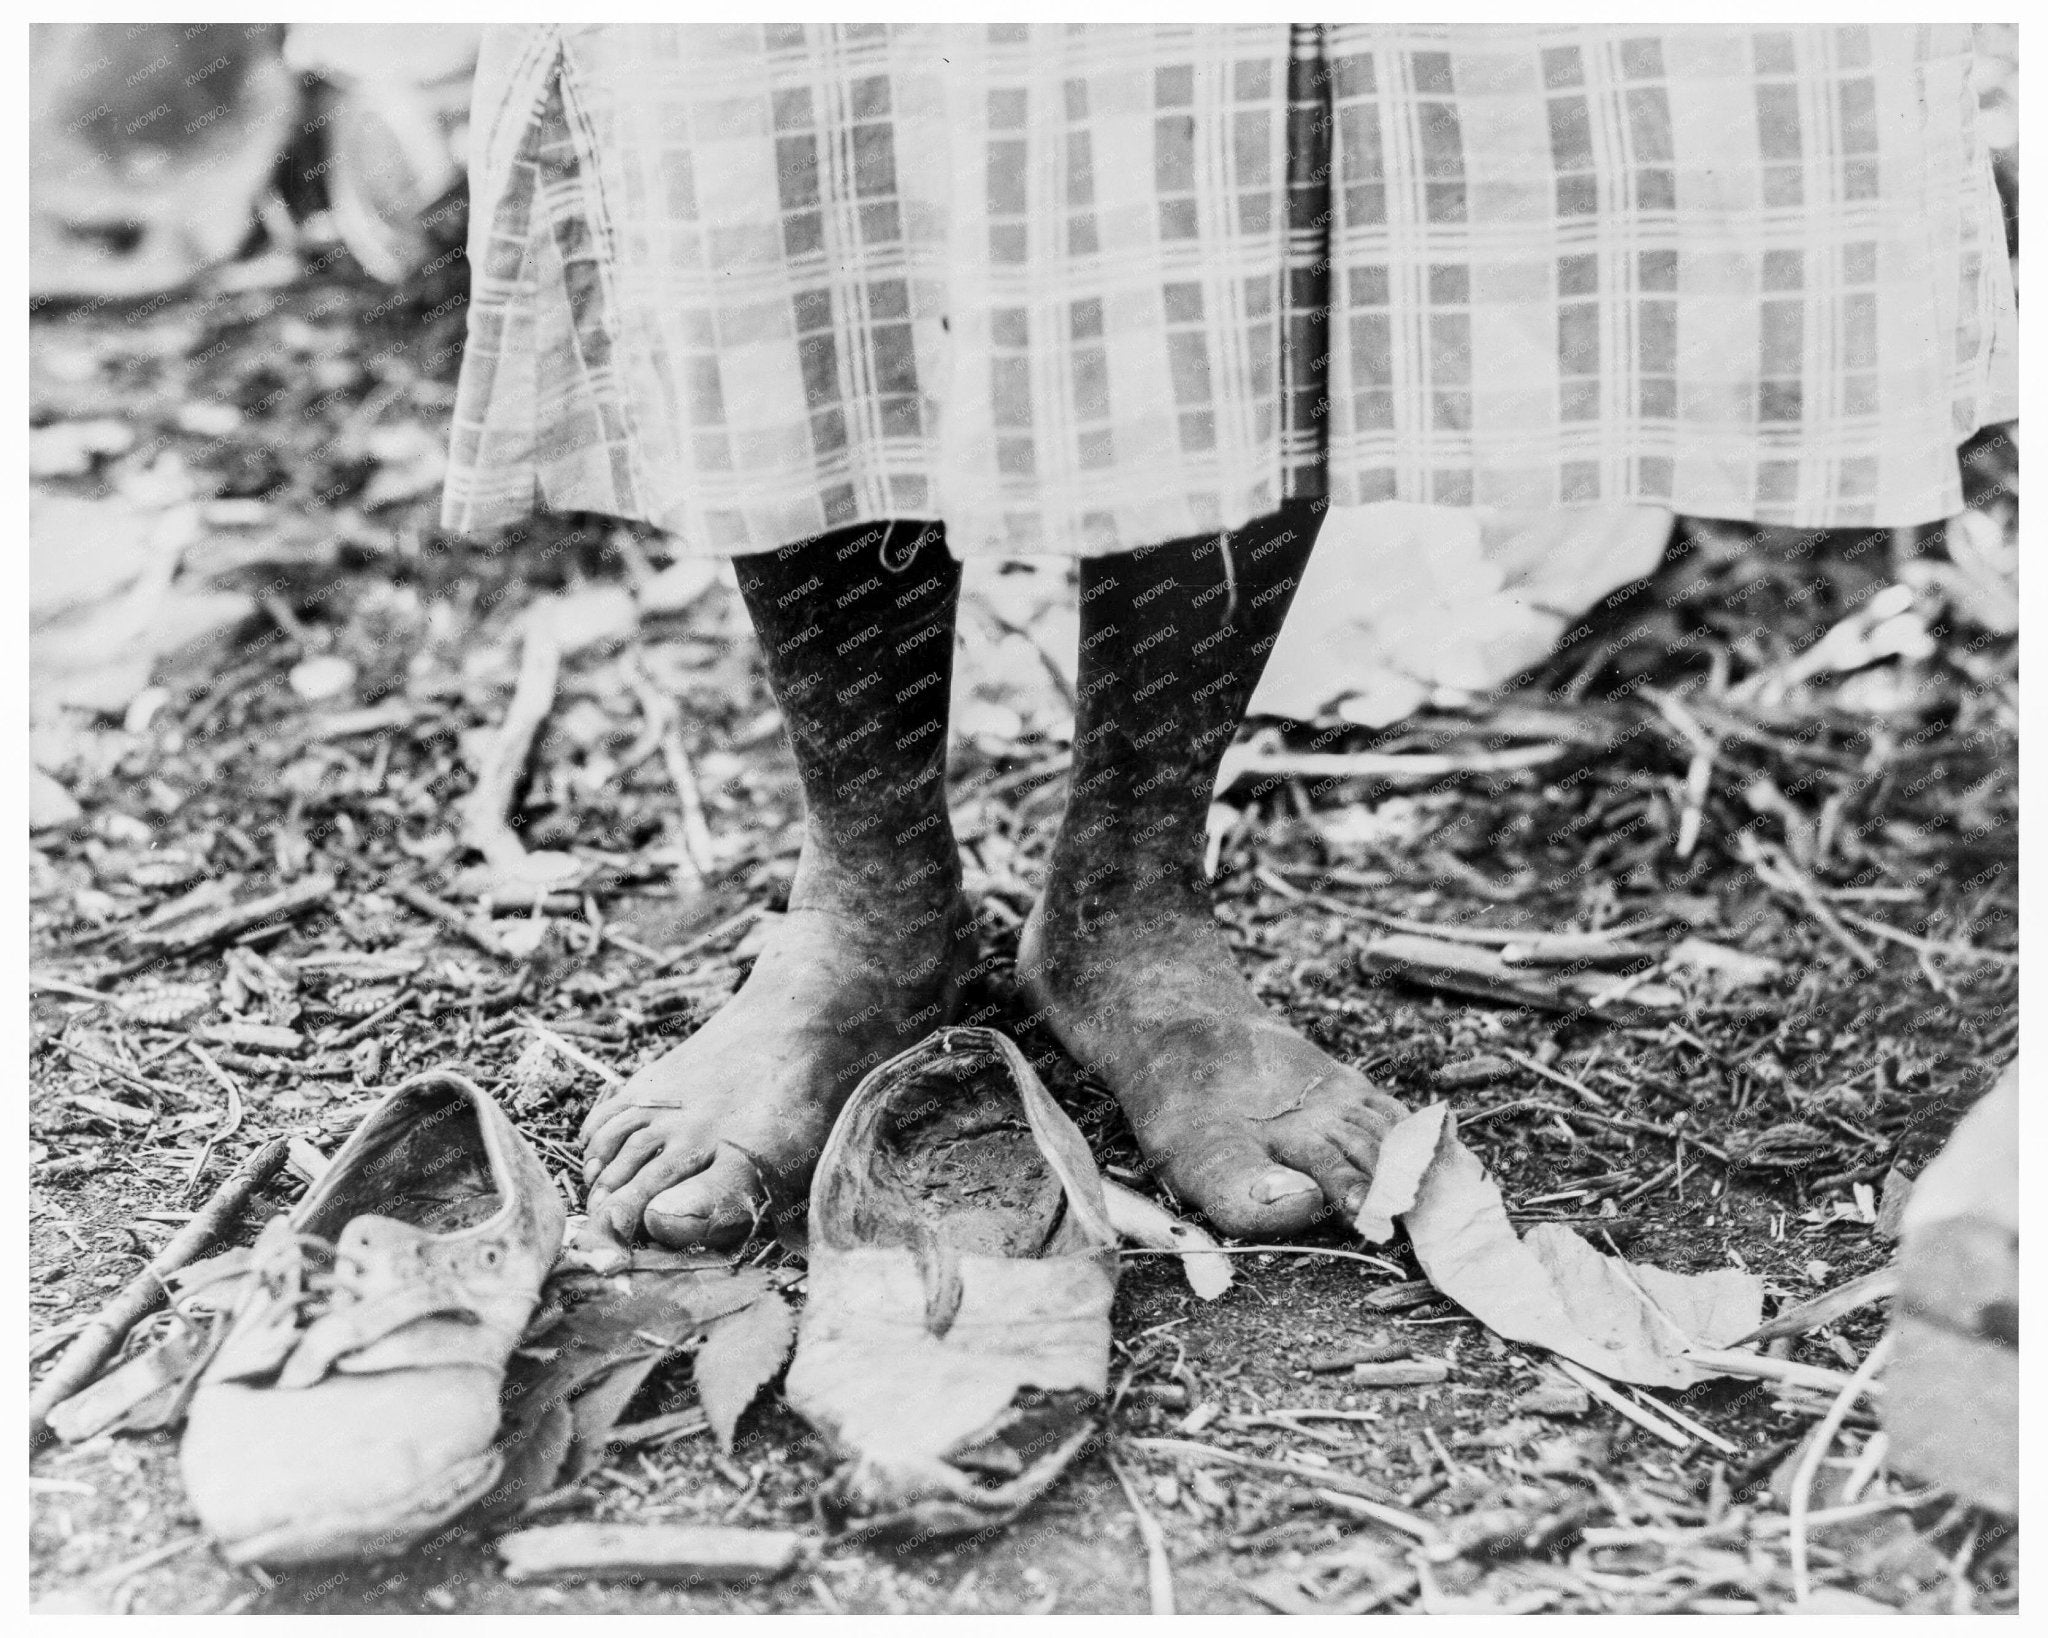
1626	1320
601	1335
742	1352
1405	1158
1148	1224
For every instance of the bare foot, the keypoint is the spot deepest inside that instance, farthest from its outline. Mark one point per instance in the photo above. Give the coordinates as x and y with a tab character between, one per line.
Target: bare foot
1245	1119
696	1146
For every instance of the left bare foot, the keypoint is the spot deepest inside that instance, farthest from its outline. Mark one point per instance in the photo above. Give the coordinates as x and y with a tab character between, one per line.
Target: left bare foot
1245	1118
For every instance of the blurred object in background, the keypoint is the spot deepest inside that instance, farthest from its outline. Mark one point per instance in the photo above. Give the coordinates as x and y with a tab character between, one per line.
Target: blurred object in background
1952	1390
397	129
1404	605
155	149
148	147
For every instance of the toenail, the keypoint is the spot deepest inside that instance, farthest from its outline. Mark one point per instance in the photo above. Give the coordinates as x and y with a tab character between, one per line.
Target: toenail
1281	1186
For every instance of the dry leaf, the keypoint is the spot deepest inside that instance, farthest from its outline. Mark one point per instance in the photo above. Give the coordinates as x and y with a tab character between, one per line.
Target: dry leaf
739	1356
1553	1290
1137	1219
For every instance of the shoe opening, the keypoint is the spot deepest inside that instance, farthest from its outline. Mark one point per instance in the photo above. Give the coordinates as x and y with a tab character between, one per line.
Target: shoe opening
421	1161
955	1162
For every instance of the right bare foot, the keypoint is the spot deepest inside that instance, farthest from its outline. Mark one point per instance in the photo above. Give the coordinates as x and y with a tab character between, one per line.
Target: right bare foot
700	1143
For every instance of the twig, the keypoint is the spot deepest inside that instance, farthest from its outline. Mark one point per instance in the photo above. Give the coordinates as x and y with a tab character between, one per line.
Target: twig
1394	767
363	1027
485	809
141	1082
1625	1123
698	847
1735	1362
477	929
1599	1387
1245	1251
1826	1308
1817	1448
1548	1074
1699	1430
1929	946
230	1123
1786	879
1265	1464
604	1072
64	986
1158	1567
182	936
1394	1518
141	1296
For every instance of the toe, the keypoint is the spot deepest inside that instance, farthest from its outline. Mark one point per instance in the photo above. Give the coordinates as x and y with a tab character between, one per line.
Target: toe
621	1208
1235	1183
606	1127
718	1206
625	1162
1337	1173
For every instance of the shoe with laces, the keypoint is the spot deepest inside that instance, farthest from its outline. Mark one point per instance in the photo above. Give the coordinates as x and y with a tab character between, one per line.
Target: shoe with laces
351	1403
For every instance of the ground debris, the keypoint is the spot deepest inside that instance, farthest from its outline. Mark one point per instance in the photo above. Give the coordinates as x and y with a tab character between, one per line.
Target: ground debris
648	1552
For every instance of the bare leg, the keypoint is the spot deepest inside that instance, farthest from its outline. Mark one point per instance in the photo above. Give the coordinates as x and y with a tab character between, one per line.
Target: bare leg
869	958
1244	1117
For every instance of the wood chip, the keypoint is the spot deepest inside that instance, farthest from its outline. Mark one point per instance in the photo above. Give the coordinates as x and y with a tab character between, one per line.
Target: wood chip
649	1552
1362	1353
1391	1299
1399	1373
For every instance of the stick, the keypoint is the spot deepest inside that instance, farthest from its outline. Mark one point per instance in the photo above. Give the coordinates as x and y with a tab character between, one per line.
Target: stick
1784	878
1393	766
477	929
1828	1307
141	1296
216	925
682	773
1598	1387
1809	1462
1158	1567
1565	1081
497	778
1265	1464
1735	1362
1929	946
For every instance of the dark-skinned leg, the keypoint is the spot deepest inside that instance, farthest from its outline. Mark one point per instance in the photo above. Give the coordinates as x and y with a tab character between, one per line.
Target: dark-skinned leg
1245	1118
869	959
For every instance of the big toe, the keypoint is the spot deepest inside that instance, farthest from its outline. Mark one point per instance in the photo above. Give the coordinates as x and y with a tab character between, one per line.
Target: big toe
718	1206
1242	1189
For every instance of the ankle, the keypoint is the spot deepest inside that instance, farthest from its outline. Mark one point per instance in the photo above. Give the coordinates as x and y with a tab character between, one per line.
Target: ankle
875	877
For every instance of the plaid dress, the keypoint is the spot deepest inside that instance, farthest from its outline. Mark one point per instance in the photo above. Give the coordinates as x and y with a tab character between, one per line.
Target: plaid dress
1078	289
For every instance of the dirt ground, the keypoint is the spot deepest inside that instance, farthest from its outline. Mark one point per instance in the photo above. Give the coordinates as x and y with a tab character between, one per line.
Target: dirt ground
1757	1127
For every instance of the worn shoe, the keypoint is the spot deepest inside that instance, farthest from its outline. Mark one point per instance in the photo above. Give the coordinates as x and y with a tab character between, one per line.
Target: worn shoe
1952	1390
352	1402
954	1346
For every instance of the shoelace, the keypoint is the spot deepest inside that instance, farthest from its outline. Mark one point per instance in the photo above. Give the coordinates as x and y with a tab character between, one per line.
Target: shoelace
314	1275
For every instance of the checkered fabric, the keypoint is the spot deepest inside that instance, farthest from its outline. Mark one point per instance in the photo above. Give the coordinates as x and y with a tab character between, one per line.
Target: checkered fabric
1077	289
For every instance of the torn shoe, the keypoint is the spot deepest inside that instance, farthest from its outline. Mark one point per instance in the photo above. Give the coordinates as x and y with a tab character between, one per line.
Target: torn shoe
954	1347
351	1402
